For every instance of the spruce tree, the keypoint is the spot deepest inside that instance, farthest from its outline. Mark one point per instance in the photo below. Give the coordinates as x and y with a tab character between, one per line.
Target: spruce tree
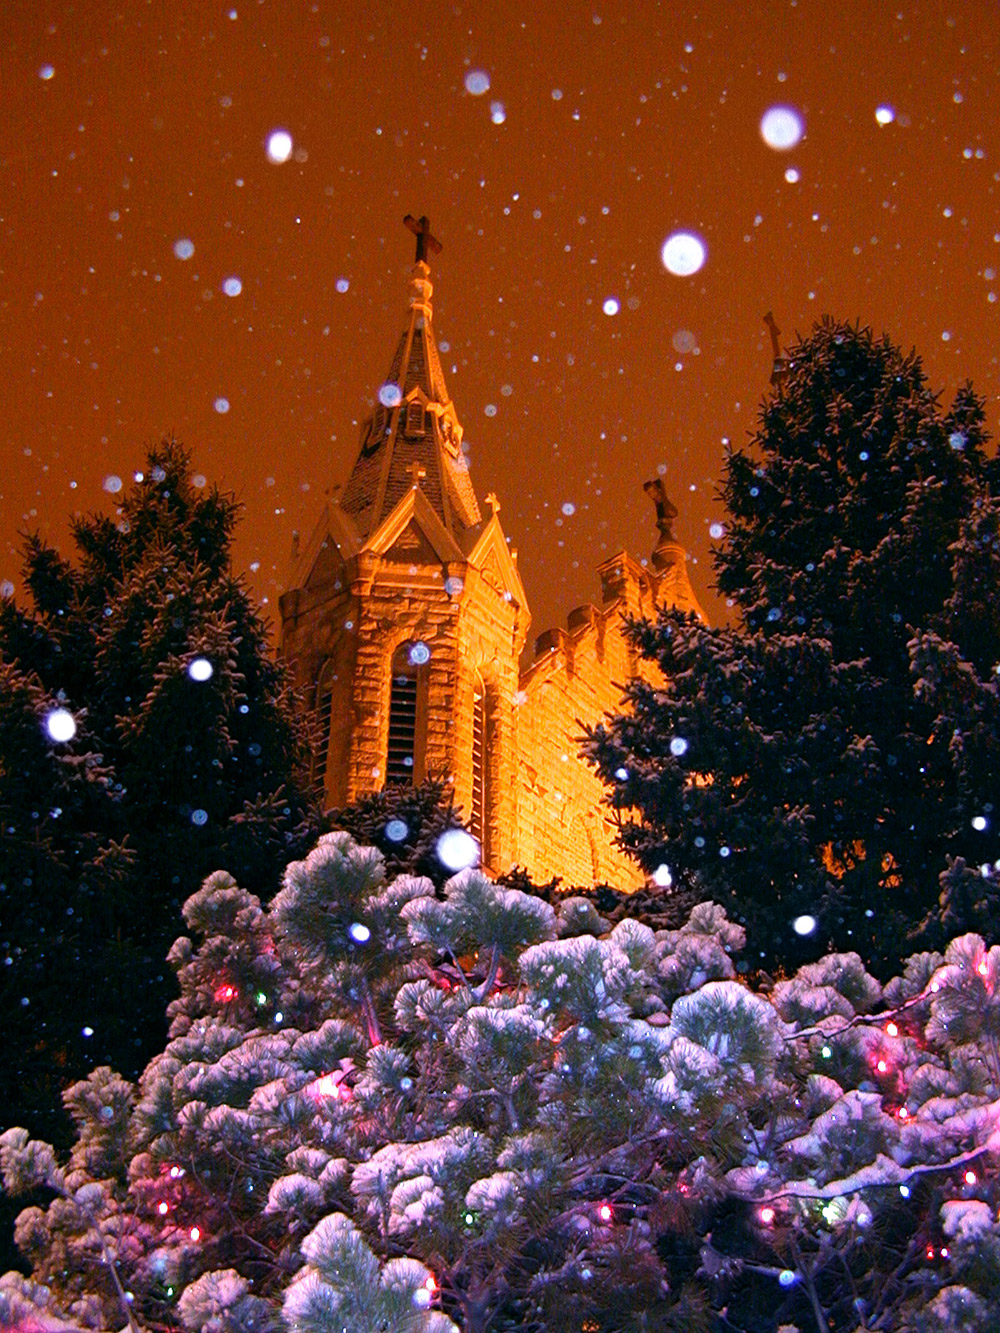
404	823
839	741
54	805
186	756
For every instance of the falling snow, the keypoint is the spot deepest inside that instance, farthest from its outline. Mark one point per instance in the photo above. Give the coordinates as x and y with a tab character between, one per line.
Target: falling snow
477	82
184	279
781	128
60	725
279	146
683	253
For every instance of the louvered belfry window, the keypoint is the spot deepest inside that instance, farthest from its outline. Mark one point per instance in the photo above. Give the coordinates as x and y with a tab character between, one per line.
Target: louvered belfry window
403	755
479	815
324	720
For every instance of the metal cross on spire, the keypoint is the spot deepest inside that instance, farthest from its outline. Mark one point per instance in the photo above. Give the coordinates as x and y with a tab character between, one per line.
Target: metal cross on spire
426	243
779	366
775	333
666	512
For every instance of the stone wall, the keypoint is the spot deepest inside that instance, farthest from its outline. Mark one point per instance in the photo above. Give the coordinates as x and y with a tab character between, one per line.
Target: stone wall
577	676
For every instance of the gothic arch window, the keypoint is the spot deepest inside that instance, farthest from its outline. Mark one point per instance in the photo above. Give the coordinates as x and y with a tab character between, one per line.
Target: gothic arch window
483	762
405	747
324	722
368	440
378	430
582	838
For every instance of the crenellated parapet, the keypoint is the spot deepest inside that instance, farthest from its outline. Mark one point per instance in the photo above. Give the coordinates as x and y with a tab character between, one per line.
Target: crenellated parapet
576	676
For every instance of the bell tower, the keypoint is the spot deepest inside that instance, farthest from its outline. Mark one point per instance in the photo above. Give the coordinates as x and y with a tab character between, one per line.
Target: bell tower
406	615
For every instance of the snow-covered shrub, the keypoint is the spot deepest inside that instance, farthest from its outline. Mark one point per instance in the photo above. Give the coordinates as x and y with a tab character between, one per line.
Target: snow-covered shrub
343	1287
380	1108
221	1302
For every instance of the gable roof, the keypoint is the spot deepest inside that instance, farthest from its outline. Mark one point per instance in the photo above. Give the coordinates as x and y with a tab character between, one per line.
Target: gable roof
416	514
492	556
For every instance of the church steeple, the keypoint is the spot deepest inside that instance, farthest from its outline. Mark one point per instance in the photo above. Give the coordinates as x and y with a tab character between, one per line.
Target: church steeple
414	424
406	620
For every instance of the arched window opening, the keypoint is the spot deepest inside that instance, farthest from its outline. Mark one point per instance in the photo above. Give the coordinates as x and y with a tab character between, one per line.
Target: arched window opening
415	419
323	723
480	805
324	720
405	751
584	842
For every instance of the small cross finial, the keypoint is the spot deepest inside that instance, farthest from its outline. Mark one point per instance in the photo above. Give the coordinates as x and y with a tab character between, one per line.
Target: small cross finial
417	471
426	243
493	503
775	333
665	511
779	366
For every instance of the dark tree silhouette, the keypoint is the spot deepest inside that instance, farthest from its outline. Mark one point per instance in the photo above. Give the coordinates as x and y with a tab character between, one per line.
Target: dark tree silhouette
187	757
841	739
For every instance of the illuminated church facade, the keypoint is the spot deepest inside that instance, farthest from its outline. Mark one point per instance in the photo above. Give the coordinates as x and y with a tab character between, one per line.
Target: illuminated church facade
406	621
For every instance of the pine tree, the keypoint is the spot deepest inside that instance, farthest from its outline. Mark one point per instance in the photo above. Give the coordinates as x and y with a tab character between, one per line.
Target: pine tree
839	742
381	1108
186	756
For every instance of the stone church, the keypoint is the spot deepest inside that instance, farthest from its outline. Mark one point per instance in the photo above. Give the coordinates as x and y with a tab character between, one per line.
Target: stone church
407	619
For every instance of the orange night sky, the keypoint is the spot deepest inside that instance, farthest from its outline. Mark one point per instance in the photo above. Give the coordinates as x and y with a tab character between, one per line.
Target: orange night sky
135	134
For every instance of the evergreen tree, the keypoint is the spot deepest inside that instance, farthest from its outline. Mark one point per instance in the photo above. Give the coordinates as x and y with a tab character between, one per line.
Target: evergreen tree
384	1109
59	899
840	741
186	756
404	823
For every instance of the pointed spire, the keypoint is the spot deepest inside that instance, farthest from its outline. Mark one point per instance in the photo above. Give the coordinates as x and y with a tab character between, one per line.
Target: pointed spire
414	422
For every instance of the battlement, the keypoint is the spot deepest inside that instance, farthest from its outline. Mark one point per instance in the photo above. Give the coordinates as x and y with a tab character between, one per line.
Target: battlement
583	636
627	588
